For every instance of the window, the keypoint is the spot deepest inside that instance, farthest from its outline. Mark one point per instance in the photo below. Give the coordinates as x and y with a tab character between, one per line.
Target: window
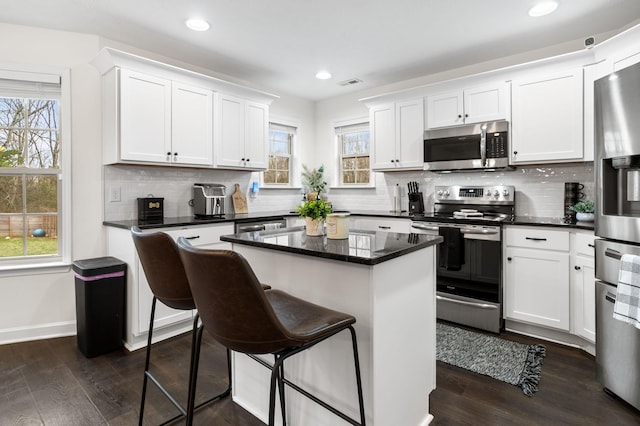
353	145
30	168
280	154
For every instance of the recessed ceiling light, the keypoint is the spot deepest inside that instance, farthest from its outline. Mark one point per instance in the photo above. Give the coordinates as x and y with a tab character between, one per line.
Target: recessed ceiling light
323	75
197	24
543	8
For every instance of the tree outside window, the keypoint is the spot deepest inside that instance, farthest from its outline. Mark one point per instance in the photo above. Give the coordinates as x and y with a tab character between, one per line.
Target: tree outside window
29	169
353	142
280	154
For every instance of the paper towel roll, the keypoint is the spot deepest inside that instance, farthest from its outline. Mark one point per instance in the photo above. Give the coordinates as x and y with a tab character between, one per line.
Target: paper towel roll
397	199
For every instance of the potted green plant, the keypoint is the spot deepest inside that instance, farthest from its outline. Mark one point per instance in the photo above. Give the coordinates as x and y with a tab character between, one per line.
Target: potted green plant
584	210
315	213
313	181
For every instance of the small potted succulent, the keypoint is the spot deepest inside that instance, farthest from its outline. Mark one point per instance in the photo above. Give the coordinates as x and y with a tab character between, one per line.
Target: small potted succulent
315	213
584	210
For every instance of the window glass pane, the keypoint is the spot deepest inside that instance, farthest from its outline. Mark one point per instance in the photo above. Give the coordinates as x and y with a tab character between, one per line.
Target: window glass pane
42	194
43	114
270	176
362	163
282	177
41	235
11	147
11	235
349	177
12	112
11	195
43	149
362	176
348	163
282	163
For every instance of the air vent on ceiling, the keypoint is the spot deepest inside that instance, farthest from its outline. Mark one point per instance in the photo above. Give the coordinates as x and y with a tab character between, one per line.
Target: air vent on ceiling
350	82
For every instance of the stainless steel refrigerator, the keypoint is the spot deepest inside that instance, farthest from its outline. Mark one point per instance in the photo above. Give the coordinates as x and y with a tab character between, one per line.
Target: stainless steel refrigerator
617	225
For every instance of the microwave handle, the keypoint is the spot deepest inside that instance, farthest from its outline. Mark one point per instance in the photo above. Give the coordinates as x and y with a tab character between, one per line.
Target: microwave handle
483	145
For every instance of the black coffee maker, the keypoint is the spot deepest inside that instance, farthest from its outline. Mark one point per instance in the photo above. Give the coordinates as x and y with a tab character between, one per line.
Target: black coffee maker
572	195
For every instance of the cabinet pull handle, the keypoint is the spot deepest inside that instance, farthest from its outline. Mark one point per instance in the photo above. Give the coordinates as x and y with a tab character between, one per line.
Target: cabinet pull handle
535	239
610	297
194	237
384	227
577	268
591	245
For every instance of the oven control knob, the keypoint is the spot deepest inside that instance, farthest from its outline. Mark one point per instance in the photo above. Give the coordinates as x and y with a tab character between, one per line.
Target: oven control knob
446	193
505	192
439	192
496	193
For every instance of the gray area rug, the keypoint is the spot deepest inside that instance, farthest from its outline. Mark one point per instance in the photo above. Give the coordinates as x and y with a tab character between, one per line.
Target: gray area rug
511	362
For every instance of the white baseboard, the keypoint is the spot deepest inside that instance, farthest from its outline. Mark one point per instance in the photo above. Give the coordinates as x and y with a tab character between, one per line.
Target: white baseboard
37	332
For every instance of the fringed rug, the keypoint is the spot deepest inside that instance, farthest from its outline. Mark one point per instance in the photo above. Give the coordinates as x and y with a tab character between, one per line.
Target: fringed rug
511	362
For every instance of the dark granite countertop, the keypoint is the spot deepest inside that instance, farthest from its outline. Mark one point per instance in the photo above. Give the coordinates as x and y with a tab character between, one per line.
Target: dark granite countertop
363	247
168	222
549	221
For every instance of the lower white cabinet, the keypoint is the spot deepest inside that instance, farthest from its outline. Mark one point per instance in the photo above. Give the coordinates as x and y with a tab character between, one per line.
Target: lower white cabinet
536	269
583	288
380	224
168	322
549	279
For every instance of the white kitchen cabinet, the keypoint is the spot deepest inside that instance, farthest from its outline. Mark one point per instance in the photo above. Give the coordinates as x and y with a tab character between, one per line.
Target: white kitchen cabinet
536	268
370	223
242	129
467	106
547	118
397	132
583	308
168	322
191	125
149	119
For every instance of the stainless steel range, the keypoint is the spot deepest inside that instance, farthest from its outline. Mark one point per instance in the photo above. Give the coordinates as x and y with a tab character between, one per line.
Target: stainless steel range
469	276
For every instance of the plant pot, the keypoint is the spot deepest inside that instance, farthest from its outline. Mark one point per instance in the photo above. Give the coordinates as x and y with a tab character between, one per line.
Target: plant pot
584	217
314	227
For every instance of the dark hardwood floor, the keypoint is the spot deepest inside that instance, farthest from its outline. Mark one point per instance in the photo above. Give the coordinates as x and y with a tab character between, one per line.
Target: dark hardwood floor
50	382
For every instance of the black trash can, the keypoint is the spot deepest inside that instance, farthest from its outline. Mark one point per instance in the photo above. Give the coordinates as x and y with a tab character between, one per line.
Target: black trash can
100	292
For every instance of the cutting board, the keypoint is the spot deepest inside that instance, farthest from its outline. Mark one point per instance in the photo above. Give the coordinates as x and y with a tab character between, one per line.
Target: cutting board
239	201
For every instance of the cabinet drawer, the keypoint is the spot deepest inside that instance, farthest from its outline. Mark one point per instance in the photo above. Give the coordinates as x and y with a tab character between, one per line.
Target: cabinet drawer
540	238
585	244
201	235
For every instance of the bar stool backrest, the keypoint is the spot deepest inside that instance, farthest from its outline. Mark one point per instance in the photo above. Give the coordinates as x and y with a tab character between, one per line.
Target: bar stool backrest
231	302
163	268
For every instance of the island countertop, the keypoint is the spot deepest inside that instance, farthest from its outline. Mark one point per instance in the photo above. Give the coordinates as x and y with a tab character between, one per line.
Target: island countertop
363	247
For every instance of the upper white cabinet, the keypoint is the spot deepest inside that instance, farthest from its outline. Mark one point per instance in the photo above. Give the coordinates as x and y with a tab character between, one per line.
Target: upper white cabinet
242	130
149	119
155	113
397	131
465	106
547	118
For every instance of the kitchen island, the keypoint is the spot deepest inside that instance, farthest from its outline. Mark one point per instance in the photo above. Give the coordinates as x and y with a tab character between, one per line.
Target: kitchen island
387	281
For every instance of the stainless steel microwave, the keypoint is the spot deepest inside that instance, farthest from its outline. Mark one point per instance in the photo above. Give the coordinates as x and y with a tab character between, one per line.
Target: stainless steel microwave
482	146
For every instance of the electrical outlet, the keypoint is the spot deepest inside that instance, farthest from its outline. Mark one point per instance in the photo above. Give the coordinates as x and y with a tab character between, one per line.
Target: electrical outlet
114	194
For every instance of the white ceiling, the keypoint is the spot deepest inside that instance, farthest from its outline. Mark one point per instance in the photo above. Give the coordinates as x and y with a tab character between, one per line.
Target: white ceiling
279	45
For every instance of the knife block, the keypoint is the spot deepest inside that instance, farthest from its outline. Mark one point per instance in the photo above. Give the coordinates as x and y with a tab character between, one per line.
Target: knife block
416	203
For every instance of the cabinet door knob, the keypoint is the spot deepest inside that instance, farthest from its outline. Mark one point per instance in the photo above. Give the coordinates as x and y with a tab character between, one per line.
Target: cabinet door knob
393	161
509	259
515	152
459	115
466	115
168	153
175	154
242	159
577	268
248	160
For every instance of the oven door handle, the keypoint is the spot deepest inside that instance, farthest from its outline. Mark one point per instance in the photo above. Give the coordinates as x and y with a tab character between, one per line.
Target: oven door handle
424	227
464	302
251	228
479	231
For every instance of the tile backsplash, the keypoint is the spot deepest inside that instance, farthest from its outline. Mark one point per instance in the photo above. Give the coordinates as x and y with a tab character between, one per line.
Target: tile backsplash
539	189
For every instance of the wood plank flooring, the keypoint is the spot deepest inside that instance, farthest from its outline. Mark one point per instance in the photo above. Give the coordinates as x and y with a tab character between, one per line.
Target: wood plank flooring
49	382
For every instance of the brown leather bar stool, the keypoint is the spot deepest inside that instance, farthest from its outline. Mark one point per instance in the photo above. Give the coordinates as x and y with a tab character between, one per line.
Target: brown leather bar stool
238	314
165	274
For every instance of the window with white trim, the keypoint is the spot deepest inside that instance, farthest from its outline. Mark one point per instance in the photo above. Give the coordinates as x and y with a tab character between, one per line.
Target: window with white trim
354	149
30	168
281	139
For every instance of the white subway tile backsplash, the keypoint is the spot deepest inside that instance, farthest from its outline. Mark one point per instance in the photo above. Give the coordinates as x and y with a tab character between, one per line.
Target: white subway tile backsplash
539	189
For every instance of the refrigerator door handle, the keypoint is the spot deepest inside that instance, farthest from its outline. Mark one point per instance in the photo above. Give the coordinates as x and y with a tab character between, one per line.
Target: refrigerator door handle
613	253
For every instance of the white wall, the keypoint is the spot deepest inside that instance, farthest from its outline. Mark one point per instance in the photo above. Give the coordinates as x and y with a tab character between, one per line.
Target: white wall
44	305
